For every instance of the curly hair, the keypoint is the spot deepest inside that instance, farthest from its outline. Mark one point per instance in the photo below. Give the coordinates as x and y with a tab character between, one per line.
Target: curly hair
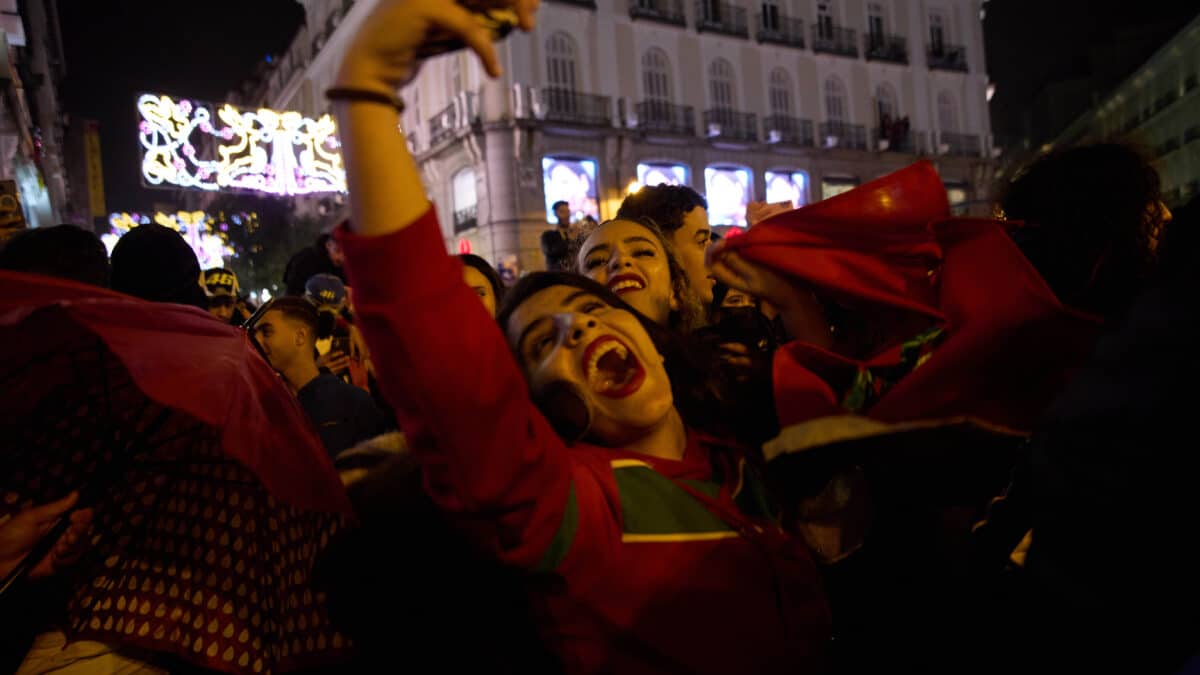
666	205
1092	223
692	313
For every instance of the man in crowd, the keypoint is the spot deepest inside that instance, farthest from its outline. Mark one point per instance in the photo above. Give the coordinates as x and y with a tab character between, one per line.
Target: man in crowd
323	257
343	414
556	243
154	263
63	251
221	287
682	214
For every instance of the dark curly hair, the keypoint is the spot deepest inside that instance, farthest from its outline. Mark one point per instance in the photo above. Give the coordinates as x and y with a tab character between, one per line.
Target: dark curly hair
1092	223
663	204
485	268
711	395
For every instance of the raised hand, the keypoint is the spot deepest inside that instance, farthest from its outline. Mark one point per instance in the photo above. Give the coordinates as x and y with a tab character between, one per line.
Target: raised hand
21	532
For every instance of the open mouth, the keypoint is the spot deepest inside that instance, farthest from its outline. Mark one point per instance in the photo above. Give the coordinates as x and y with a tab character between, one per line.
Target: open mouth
611	368
626	283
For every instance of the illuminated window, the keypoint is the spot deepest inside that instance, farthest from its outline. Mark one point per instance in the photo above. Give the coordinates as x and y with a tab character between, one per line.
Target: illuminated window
462	188
573	181
780	93
787	186
832	186
662	174
956	193
728	190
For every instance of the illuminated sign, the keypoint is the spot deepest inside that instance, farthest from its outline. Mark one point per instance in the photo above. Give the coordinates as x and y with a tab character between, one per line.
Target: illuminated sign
662	174
184	144
787	186
728	191
572	181
206	234
832	187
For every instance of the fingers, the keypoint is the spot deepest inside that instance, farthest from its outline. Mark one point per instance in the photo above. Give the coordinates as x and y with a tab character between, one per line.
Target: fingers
46	513
527	13
729	278
459	21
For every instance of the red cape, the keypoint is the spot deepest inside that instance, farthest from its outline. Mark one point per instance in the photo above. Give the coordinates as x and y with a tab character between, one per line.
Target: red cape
1008	343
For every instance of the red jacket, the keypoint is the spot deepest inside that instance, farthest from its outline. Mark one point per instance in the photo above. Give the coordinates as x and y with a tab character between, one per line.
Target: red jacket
665	566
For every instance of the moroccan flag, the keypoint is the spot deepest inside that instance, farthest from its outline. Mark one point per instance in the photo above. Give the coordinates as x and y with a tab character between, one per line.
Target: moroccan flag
965	328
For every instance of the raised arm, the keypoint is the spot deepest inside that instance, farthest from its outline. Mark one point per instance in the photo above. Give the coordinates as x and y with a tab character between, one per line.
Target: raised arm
441	360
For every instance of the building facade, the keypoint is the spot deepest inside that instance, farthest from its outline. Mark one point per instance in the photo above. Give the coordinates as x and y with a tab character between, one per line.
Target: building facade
31	119
774	100
1158	109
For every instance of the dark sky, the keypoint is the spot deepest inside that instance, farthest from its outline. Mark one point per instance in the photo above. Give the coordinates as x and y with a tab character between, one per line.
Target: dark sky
1031	43
116	50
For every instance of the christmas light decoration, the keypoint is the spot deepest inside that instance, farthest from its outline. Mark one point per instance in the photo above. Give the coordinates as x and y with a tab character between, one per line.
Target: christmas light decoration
281	153
207	234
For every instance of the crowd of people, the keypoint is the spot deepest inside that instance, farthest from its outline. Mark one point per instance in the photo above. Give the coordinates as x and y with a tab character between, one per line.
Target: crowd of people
855	438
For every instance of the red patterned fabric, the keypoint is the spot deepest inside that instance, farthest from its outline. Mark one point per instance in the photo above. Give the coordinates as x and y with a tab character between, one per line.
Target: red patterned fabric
212	493
890	245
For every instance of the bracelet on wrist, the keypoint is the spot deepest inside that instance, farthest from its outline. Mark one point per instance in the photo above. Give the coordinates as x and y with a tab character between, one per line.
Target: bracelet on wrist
364	95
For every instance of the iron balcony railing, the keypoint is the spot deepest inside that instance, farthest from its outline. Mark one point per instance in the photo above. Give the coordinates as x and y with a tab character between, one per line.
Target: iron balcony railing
884	47
843	135
780	30
565	105
443	124
466	218
722	18
666	118
731	125
948	57
830	39
788	130
960	145
895	141
662	11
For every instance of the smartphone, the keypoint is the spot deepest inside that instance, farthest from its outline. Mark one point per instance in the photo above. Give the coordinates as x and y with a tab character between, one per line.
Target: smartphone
500	22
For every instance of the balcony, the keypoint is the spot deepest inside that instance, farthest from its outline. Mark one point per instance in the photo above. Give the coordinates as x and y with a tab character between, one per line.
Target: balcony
1163	102
662	11
443	124
948	57
731	125
788	131
843	135
780	30
721	18
564	105
666	118
895	140
959	145
465	219
883	47
830	39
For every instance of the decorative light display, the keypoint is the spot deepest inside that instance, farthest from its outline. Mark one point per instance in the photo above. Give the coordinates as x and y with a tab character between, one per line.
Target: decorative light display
573	181
281	153
207	234
662	174
787	186
728	190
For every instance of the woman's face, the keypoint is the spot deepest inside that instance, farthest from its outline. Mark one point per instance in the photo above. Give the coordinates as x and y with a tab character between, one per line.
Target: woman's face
736	298
482	287
566	335
629	259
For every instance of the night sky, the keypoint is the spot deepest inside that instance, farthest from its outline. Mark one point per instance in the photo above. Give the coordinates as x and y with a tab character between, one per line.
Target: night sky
116	50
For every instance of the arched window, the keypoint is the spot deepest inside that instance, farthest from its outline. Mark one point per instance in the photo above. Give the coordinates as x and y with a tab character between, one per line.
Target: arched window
835	100
720	83
947	113
780	93
656	76
560	62
885	100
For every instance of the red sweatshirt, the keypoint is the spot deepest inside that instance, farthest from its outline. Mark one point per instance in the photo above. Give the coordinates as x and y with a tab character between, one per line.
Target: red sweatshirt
663	566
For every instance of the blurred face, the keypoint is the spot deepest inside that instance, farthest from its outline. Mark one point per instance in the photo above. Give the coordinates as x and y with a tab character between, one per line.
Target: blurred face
562	213
628	258
479	283
736	298
221	306
566	335
690	242
335	252
282	339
